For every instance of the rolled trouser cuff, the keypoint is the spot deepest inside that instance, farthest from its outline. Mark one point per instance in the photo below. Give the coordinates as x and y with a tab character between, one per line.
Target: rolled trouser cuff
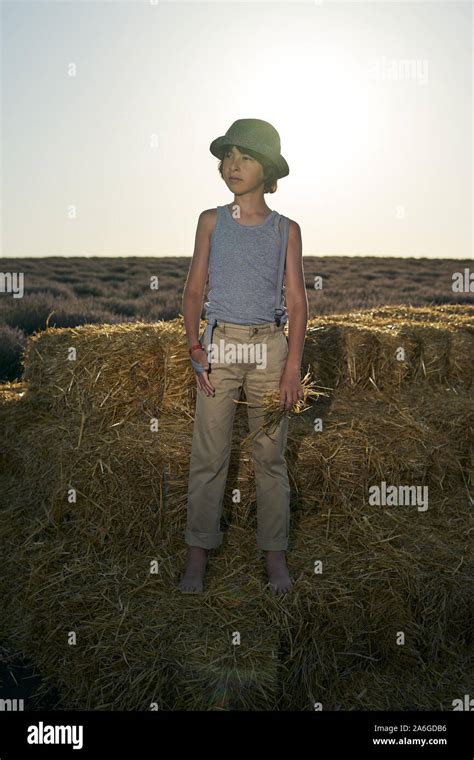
203	540
272	546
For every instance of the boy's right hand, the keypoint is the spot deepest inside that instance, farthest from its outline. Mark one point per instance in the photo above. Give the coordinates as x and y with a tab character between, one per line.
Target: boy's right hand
202	378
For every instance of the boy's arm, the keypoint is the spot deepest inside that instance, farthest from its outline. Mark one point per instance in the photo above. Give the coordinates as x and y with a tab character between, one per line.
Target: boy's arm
197	276
296	298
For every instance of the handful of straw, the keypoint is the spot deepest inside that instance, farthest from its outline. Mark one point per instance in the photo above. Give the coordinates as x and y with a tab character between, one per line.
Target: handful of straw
273	413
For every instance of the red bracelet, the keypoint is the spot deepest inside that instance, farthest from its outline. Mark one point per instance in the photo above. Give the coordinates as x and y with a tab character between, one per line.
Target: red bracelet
194	348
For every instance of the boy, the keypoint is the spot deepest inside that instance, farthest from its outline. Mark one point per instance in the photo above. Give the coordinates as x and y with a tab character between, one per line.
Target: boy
240	247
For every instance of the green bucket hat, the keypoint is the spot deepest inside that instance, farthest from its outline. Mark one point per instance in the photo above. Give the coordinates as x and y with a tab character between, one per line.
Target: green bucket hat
253	134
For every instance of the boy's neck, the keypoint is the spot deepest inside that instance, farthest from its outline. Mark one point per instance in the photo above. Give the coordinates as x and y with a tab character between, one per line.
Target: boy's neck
250	208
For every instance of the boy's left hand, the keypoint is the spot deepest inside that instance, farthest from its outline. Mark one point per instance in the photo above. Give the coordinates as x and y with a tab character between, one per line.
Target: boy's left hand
290	388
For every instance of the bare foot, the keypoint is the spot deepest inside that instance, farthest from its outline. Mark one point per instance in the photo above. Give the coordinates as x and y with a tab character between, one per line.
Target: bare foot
279	579
191	582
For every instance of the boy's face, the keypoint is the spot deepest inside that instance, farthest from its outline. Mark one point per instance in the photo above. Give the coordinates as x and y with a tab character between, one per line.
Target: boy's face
242	173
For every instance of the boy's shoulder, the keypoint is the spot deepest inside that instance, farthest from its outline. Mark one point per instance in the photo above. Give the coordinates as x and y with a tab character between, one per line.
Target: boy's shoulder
210	212
208	215
293	227
208	218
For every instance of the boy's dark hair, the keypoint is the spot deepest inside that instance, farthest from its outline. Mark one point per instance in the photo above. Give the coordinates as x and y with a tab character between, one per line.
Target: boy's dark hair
270	171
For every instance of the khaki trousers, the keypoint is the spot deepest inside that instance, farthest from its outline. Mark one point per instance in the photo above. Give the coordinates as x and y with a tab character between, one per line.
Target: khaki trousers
256	366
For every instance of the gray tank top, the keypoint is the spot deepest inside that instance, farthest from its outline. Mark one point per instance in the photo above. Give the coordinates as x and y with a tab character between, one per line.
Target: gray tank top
243	270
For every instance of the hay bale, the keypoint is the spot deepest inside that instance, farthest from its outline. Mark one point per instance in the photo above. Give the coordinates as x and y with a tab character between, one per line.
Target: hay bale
117	661
412	438
388	357
130	481
450	315
121	370
461	357
379	577
85	566
134	369
227	661
369	685
129	653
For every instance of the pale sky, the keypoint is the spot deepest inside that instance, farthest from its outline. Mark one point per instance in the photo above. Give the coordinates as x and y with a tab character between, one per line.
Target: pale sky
373	103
